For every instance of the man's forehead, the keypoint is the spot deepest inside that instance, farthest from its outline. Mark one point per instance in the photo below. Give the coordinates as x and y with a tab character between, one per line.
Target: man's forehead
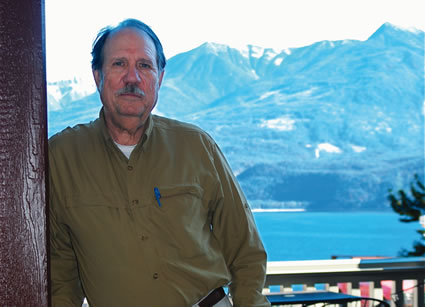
126	29
125	36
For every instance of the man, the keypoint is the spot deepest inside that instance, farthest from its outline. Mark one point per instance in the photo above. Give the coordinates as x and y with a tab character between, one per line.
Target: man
144	210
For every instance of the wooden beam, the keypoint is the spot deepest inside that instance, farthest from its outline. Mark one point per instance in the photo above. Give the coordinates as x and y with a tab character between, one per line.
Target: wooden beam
23	143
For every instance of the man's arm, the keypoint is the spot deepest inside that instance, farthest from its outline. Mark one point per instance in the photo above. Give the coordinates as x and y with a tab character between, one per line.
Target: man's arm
66	289
234	227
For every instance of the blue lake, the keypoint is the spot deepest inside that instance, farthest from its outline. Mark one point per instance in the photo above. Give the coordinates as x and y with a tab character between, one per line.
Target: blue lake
321	235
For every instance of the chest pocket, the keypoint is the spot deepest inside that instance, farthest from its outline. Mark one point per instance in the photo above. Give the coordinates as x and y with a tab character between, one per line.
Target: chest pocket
171	197
182	220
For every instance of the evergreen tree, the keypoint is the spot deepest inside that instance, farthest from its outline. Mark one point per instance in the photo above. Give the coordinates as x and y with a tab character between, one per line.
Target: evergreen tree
411	208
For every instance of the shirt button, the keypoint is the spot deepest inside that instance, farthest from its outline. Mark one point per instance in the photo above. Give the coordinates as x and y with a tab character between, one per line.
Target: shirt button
155	276
129	167
135	201
144	238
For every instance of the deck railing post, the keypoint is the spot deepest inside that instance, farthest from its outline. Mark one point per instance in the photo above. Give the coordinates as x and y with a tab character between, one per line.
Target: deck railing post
421	291
399	296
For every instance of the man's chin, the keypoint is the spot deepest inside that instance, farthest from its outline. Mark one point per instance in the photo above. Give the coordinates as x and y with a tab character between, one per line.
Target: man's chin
131	114
132	111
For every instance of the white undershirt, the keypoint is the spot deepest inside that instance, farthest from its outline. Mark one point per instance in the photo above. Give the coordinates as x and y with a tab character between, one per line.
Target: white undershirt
126	149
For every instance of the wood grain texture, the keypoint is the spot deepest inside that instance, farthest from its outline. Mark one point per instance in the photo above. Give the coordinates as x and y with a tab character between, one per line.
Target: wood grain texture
23	141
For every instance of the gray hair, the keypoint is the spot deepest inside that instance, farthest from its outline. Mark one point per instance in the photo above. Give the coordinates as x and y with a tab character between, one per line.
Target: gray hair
102	36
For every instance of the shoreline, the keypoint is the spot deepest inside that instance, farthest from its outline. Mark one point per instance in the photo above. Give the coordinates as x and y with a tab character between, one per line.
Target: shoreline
279	210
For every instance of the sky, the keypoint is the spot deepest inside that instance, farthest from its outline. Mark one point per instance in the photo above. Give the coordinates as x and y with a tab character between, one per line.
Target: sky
71	26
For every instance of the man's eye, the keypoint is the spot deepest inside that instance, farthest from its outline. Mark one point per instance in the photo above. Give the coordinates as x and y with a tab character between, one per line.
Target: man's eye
118	63
144	65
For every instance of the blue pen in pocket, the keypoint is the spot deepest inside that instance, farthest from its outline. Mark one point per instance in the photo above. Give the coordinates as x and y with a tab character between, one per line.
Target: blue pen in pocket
157	195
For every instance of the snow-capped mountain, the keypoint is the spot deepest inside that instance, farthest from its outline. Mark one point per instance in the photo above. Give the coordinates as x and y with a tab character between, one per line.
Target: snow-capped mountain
329	126
61	93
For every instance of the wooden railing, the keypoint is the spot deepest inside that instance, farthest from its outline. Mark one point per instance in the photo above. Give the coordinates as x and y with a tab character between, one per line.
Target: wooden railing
353	276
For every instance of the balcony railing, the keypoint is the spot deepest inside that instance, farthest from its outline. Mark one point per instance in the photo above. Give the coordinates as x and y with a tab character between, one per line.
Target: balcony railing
352	276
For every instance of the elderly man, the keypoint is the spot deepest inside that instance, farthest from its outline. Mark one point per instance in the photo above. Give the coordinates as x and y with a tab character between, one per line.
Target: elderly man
145	210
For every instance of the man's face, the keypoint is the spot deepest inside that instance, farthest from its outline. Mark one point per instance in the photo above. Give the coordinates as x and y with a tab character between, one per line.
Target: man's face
130	79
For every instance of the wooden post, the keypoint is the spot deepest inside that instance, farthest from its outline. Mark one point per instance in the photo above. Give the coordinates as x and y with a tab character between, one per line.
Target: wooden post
23	141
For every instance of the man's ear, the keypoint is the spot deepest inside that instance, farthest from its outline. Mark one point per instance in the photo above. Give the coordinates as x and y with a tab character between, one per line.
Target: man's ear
97	75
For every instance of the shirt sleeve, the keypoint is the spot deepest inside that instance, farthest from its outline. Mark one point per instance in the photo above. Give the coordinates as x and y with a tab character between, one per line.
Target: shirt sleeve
66	290
234	227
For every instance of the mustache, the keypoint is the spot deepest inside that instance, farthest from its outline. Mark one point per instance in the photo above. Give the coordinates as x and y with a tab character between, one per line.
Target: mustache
130	89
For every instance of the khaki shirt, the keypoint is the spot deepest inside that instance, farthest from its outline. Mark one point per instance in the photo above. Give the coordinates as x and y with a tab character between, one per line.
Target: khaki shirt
114	242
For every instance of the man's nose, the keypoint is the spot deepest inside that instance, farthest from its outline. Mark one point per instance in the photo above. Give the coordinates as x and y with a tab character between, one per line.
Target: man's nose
132	75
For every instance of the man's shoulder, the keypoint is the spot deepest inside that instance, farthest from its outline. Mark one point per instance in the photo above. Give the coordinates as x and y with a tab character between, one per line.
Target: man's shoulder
169	125
72	135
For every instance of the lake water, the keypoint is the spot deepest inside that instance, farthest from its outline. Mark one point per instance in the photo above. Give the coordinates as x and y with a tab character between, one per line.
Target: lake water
321	235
